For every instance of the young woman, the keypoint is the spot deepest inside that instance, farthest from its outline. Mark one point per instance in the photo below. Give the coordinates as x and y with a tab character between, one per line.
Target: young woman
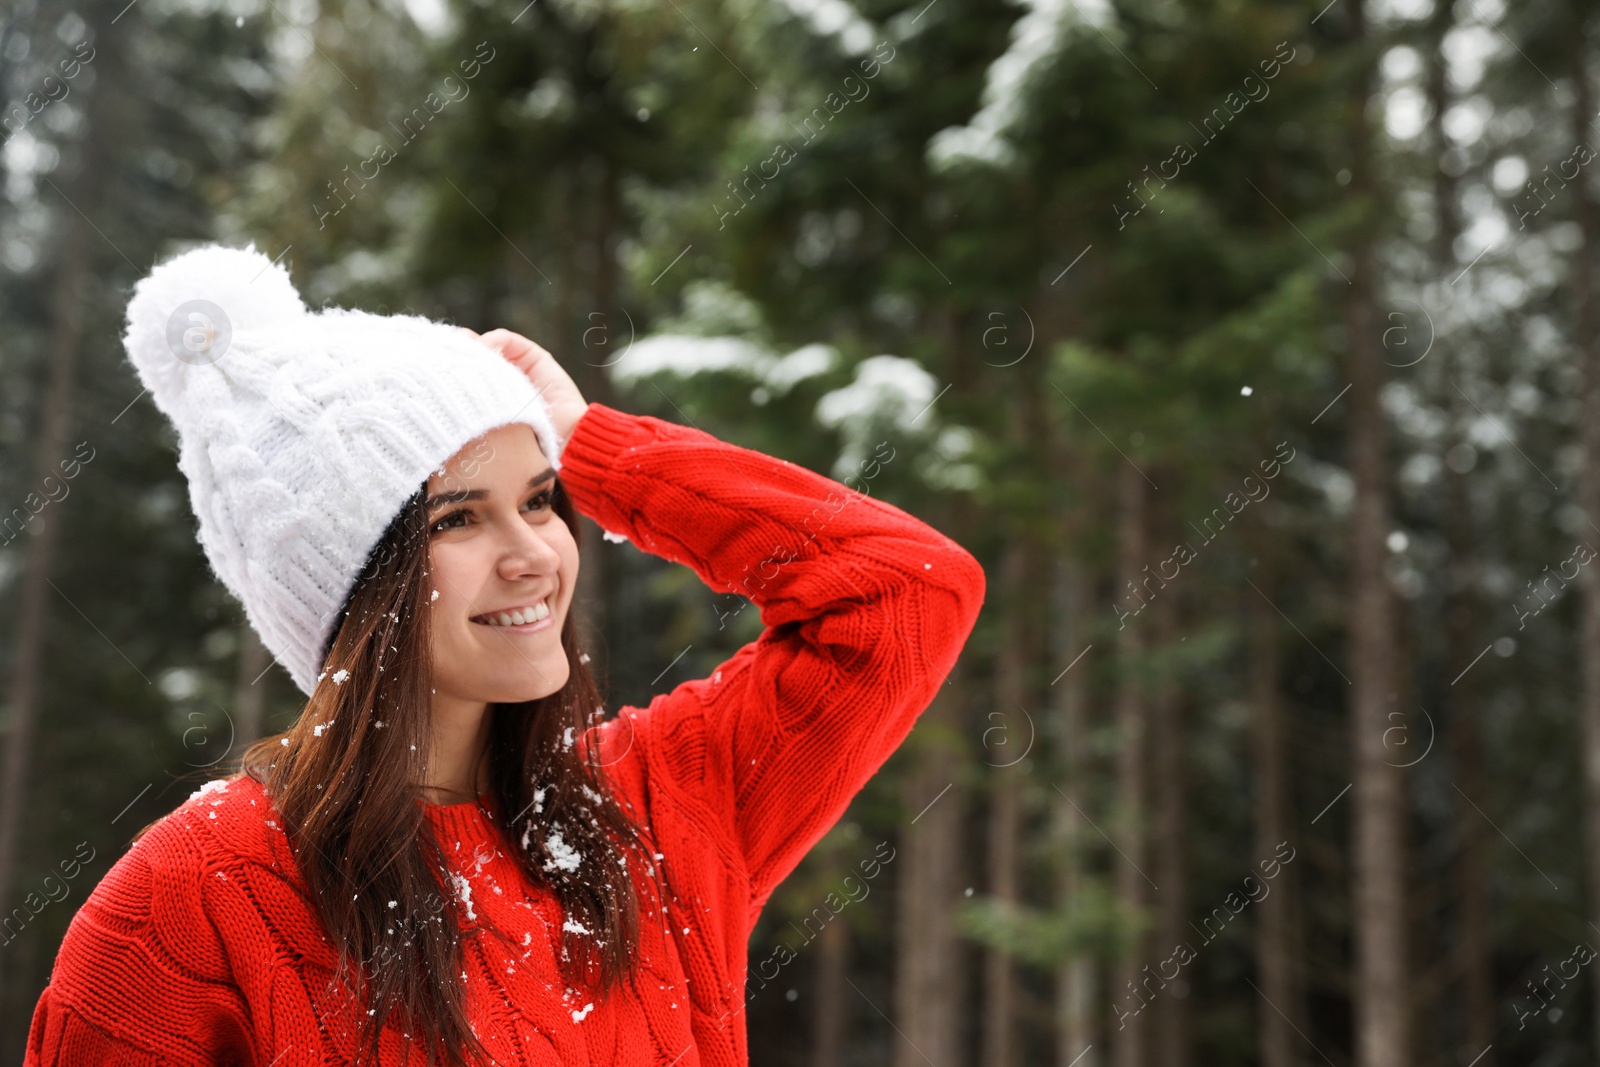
450	857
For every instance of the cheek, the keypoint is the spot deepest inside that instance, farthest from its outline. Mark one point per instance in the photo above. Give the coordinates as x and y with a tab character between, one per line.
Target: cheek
569	572
451	574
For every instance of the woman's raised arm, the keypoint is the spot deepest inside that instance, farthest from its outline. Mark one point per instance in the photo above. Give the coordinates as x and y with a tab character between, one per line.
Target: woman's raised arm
865	608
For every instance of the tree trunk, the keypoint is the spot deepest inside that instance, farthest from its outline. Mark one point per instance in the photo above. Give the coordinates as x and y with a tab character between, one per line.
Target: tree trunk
930	987
1276	965
1076	1009
44	529
606	281
600	340
1583	330
828	1015
1005	735
1128	1048
999	973
1475	961
249	692
1171	831
1379	794
930	980
1463	629
566	326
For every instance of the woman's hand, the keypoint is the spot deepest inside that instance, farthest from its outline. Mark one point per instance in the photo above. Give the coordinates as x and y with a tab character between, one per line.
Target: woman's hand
554	384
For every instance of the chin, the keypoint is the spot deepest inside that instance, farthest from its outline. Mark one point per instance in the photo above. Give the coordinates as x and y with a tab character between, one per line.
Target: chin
531	684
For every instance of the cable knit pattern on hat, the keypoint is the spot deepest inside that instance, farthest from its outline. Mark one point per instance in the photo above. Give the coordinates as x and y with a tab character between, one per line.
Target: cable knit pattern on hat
195	948
303	433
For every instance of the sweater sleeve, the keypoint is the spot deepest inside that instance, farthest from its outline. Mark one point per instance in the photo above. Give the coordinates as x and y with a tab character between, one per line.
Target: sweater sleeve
865	610
141	978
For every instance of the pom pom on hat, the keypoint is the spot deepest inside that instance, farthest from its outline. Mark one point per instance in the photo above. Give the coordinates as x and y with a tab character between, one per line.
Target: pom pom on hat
184	312
303	433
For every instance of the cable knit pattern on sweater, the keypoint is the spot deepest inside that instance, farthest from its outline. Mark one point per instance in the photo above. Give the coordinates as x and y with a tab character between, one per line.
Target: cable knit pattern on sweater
198	948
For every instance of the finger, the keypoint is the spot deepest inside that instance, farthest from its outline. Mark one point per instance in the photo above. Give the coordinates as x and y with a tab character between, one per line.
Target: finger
474	333
536	358
509	342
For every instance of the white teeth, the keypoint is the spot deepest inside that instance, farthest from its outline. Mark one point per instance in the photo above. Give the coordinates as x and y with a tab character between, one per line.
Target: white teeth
521	616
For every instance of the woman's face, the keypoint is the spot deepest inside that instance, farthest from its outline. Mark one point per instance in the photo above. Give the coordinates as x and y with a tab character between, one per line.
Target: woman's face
497	547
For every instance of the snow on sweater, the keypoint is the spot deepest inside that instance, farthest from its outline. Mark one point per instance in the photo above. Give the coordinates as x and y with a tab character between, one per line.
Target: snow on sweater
195	948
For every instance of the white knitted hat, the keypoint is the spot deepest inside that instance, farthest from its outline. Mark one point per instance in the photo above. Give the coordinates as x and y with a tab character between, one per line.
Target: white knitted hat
303	433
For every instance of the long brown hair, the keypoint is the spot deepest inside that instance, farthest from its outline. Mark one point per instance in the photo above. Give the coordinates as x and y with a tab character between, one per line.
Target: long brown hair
345	779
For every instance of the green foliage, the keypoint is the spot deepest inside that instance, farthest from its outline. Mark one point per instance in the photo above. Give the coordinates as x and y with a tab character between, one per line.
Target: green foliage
1093	923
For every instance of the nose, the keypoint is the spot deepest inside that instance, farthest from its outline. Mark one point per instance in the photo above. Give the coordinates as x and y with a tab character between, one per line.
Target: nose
526	553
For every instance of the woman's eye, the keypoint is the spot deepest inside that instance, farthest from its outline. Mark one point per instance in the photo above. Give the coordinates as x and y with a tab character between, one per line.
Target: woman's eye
456	519
447	522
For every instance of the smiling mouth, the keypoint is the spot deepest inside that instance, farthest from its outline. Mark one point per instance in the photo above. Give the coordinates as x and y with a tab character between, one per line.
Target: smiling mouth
526	616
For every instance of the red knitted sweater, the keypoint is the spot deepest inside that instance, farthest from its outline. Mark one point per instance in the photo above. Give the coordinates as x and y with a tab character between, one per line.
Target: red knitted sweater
195	949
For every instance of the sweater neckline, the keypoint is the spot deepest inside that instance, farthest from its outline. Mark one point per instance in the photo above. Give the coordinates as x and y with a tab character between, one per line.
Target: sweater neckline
462	805
468	820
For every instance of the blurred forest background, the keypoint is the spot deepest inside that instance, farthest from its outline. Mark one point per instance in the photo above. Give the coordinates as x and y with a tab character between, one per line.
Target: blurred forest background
1253	346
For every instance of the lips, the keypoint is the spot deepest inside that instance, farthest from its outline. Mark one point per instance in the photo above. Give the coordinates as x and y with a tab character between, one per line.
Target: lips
517	615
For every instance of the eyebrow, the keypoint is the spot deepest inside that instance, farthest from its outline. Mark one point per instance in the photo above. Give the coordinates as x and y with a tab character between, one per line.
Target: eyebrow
460	495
